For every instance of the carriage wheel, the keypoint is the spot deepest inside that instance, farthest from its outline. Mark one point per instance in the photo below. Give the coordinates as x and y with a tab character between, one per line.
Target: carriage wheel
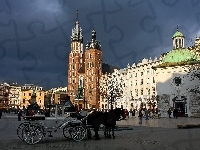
78	133
32	133
67	131
20	129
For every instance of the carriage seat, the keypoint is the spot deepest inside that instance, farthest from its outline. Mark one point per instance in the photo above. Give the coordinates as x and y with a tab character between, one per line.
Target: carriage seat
34	117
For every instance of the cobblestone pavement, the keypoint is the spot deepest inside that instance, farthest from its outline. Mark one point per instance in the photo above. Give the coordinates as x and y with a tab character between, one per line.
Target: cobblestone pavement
152	134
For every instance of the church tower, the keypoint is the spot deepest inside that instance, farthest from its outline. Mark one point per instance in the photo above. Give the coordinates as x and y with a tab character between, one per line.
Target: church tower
178	39
76	60
93	71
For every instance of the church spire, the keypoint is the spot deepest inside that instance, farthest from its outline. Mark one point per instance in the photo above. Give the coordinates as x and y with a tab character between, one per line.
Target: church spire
77	31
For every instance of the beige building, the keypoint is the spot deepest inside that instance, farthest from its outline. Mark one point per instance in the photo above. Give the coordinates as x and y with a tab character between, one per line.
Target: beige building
27	92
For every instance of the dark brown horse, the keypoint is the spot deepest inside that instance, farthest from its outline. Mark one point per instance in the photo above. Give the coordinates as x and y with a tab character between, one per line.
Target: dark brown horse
108	119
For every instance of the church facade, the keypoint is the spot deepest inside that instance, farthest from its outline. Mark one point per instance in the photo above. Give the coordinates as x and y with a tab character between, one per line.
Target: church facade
84	70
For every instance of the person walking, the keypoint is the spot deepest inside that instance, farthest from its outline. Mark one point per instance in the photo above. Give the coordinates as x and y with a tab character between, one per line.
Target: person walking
140	116
175	113
169	112
146	114
19	115
0	113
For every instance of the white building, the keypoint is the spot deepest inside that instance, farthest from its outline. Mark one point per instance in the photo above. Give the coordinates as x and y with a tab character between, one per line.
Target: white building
32	87
15	95
152	81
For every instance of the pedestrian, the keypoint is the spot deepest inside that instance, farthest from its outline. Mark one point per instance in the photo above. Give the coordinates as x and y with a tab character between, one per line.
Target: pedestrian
0	113
169	112
130	113
140	116
126	113
146	114
175	113
134	112
19	115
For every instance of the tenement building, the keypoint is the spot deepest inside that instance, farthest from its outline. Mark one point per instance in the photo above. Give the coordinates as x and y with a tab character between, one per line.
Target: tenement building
171	81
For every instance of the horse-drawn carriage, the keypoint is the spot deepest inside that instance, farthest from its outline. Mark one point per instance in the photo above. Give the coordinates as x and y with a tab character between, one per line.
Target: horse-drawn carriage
56	117
73	124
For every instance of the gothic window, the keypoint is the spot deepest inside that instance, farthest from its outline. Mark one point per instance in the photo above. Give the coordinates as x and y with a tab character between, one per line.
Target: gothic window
23	100
90	56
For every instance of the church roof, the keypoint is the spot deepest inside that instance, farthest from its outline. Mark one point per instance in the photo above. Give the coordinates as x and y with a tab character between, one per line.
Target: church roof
180	55
177	34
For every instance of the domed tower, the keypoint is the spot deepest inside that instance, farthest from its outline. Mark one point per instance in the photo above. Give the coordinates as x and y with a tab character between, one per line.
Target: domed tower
76	60
178	39
93	71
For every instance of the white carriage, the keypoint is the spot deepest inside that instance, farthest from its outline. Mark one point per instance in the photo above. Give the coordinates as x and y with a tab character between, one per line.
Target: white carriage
35	127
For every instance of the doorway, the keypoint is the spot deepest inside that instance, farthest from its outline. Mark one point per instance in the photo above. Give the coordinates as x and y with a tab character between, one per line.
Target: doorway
181	108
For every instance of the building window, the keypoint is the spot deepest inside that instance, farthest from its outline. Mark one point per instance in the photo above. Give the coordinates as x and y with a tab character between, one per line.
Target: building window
73	74
24	94
23	100
89	55
148	91
148	81
153	89
40	94
72	60
135	82
141	91
153	80
73	67
147	71
136	92
141	73
40	101
29	94
135	74
141	81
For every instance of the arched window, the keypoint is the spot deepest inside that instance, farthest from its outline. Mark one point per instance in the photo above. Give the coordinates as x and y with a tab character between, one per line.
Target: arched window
102	106
180	44
176	43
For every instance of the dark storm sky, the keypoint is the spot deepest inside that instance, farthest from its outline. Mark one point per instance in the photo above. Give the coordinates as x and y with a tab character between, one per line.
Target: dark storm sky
35	34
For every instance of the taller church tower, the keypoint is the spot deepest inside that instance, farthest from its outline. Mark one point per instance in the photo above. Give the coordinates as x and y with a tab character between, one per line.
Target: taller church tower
76	60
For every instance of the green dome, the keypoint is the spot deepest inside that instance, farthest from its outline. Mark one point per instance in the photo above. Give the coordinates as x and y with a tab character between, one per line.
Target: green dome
180	55
177	34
